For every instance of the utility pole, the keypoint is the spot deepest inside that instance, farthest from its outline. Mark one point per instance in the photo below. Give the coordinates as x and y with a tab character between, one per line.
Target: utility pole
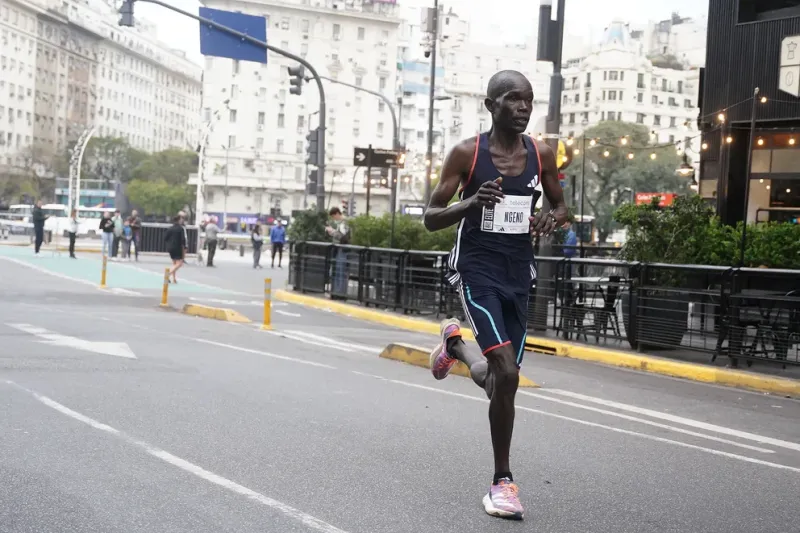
433	28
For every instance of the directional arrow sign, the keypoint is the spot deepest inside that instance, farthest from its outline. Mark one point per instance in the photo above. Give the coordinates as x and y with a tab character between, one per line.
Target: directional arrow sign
378	157
117	349
360	156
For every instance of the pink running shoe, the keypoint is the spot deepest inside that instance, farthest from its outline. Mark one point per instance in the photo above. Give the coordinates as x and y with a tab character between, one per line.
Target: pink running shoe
441	362
503	500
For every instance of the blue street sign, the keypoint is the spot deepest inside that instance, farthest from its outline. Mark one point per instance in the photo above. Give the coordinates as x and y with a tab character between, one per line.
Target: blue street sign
219	43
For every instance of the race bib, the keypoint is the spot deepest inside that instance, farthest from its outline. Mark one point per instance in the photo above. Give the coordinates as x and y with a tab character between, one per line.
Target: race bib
509	216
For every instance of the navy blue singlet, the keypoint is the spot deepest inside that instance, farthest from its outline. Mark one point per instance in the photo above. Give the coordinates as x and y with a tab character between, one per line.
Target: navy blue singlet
493	246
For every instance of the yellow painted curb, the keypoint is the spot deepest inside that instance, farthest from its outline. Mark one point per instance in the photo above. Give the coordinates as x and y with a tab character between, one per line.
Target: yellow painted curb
655	365
363	313
217	313
667	367
417	356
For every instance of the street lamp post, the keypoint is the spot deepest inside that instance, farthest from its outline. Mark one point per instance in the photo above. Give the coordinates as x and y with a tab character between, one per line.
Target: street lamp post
431	98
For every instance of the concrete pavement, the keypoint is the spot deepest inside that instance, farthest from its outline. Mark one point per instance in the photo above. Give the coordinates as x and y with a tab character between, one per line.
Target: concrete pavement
221	427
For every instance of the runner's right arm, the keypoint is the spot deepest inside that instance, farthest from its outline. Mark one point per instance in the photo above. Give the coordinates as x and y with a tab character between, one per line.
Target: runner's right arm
456	167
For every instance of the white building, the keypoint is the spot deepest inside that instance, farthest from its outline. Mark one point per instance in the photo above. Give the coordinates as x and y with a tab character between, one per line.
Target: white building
683	38
463	71
618	82
67	65
257	145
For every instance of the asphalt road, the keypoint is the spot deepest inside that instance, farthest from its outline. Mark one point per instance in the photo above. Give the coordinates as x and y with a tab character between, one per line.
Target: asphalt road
190	425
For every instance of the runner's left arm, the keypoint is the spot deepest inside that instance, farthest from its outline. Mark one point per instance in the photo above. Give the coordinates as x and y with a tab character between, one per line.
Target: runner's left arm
546	223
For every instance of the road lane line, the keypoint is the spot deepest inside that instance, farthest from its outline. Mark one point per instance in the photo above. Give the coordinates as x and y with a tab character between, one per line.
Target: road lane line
604	426
678	419
646	422
329	340
287	313
298	338
43	270
186	466
266	354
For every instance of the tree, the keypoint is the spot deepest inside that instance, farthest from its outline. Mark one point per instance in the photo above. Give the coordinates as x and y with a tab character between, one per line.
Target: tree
110	159
608	177
172	165
32	176
157	197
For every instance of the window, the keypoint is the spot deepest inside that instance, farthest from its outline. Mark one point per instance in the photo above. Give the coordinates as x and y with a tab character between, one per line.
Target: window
298	173
612	115
356	128
235	67
381	83
262	93
655	100
285	25
361	33
299	146
261	117
572	118
672	138
613	75
639	118
754	10
612	95
231	141
279	146
640	82
605	95
687	104
260	143
586	98
301	122
232	116
577	98
605	75
657	120
381	107
359	81
588	80
477	61
680	87
281	120
672	122
380	129
337	32
304	50
304	25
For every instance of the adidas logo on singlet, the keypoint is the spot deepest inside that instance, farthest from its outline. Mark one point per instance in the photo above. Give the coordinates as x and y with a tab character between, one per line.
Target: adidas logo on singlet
533	182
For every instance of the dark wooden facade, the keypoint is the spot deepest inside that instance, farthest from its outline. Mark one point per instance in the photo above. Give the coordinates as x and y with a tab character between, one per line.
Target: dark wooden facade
743	52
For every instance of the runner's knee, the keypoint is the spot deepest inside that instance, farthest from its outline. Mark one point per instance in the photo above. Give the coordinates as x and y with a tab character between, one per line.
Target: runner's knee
503	366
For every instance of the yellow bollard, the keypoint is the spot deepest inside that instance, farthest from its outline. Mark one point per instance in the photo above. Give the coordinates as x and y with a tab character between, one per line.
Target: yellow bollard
103	273
267	304
165	288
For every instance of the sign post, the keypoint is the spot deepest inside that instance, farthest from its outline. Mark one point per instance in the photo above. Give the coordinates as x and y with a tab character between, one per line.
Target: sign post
789	81
369	175
376	157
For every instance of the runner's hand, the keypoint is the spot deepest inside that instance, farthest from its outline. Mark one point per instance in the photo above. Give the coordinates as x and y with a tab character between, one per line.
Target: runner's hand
543	224
489	194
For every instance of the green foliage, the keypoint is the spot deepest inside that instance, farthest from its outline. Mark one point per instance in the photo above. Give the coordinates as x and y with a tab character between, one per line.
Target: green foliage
409	233
608	177
157	197
110	159
687	232
308	225
172	166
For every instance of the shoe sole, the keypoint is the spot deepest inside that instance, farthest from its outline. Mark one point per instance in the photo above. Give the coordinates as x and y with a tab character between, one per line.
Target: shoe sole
491	510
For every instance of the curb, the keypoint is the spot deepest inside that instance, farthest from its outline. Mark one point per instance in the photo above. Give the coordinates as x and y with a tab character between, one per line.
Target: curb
667	367
217	313
644	363
417	356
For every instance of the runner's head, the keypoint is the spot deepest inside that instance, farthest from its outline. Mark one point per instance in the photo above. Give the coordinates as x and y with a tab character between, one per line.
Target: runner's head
509	98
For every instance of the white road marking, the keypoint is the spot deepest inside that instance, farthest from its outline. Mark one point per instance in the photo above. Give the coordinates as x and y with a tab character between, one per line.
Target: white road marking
266	354
26	264
329	340
646	422
117	349
186	466
603	426
678	419
312	342
124	292
287	313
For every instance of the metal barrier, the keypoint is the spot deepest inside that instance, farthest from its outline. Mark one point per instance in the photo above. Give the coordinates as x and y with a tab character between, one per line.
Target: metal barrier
749	314
152	238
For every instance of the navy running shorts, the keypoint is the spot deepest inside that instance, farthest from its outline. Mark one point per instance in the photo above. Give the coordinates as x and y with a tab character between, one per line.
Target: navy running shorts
497	315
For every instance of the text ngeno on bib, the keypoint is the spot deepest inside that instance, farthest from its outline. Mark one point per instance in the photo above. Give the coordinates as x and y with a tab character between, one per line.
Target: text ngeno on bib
508	216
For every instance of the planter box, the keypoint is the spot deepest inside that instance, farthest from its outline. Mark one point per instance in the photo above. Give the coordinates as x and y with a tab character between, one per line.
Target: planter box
661	319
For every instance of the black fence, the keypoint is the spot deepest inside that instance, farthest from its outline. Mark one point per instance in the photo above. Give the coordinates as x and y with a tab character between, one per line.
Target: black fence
152	237
739	313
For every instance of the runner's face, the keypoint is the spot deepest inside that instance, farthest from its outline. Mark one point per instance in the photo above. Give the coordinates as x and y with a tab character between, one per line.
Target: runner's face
512	110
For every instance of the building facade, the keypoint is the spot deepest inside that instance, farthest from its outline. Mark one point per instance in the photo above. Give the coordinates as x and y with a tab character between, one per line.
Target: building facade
256	148
66	66
752	44
618	82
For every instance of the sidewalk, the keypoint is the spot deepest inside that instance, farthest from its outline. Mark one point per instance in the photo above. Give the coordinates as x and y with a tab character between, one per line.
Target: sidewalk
695	367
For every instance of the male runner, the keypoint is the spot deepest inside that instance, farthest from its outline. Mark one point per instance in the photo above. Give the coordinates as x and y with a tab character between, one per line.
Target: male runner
492	261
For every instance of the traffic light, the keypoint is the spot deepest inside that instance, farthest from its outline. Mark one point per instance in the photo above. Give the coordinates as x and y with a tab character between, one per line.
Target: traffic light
346	207
311	186
312	150
297	75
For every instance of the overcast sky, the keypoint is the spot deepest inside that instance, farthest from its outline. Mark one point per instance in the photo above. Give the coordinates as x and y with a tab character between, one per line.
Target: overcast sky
516	18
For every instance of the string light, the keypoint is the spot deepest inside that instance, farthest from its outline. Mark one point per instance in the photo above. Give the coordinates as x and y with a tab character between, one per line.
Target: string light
761	180
623	141
768	187
763	99
570	141
791	141
761	142
705	146
729	139
592	142
606	153
788	191
576	151
721	117
653	156
630	155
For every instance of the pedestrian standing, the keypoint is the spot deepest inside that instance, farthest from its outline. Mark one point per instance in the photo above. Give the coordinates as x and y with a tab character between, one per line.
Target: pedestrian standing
136	227
258	240
107	229
72	229
340	235
277	236
212	231
127	237
38	226
118	223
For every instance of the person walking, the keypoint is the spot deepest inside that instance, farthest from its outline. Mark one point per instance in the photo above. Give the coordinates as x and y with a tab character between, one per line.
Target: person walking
277	236
175	239
38	226
258	240
118	223
136	227
72	230
212	233
492	262
107	229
